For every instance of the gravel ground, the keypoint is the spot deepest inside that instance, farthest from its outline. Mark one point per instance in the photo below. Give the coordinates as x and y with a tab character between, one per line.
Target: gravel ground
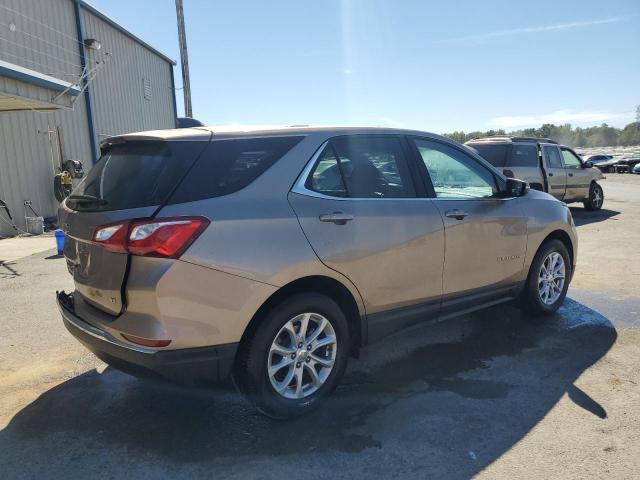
488	394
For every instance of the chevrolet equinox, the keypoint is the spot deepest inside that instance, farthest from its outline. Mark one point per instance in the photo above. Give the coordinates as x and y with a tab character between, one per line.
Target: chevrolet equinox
273	255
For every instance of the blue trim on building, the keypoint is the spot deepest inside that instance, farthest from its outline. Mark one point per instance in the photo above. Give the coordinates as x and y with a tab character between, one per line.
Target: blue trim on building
105	18
173	96
38	79
93	137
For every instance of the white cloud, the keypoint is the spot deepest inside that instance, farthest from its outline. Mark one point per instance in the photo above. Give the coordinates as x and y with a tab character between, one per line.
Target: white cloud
542	28
347	71
559	117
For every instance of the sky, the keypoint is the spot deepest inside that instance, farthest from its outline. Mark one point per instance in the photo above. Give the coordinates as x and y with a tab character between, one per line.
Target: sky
436	66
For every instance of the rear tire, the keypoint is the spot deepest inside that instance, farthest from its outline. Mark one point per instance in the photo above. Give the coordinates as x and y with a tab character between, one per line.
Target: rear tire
276	362
596	197
548	279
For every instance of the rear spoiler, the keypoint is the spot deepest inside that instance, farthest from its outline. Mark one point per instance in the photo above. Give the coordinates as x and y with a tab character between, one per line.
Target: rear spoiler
188	122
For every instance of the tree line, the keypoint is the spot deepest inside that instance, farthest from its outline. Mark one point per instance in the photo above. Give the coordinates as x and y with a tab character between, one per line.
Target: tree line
602	136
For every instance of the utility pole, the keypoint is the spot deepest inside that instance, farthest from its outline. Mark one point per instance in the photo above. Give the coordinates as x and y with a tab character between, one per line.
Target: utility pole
182	36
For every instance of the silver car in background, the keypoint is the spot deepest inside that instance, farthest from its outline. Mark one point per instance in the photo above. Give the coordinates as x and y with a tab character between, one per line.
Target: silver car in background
274	255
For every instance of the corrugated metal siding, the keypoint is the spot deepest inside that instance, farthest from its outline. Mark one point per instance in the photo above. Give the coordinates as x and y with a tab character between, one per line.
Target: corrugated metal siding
43	40
40	35
17	88
119	91
47	44
26	169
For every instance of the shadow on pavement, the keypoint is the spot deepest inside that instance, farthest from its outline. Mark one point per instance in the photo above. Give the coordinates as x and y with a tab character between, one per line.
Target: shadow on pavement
448	408
582	216
585	401
7	270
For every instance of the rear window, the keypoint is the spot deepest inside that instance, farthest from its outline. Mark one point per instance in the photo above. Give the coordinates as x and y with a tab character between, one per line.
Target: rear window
524	156
134	175
495	154
227	166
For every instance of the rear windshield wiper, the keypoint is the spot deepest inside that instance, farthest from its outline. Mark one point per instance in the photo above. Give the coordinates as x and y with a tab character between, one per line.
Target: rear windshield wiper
88	199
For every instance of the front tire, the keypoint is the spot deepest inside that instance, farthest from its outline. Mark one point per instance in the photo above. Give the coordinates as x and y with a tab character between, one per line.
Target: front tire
596	197
548	279
295	357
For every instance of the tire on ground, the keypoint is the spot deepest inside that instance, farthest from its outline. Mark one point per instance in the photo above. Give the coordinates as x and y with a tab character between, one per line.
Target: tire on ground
531	300
590	203
250	372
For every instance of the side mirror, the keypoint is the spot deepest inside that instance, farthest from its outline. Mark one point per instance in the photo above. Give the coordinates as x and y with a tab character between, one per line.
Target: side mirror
588	164
515	188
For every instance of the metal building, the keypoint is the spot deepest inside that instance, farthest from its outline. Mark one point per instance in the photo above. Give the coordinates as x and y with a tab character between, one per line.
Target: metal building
69	77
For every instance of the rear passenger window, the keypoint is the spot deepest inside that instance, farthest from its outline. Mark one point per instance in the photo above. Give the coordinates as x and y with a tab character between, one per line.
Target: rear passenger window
326	177
362	166
524	156
553	157
227	166
374	167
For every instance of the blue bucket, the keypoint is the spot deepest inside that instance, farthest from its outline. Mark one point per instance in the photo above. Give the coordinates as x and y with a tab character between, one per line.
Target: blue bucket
60	241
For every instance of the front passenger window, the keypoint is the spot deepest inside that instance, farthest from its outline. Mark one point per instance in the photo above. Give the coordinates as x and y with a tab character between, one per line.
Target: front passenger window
455	174
570	160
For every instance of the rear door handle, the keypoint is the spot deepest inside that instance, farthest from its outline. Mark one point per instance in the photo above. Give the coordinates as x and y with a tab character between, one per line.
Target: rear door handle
550	174
570	174
457	214
339	218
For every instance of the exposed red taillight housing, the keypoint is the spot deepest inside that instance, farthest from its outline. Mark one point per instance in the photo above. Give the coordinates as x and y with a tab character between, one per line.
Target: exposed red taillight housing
154	237
146	342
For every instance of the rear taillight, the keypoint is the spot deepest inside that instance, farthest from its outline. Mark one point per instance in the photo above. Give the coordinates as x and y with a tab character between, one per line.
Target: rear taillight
112	237
158	237
165	237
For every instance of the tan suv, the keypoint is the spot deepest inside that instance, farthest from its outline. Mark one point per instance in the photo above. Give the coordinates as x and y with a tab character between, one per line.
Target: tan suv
274	255
546	166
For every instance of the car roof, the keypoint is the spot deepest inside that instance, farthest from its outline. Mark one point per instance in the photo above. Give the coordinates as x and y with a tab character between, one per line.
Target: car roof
234	131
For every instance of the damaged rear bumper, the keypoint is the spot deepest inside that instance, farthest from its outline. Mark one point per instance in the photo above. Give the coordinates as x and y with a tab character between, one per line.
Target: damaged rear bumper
186	366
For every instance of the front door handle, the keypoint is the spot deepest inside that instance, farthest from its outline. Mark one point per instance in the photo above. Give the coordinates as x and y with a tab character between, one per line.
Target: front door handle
570	174
550	174
457	214
339	218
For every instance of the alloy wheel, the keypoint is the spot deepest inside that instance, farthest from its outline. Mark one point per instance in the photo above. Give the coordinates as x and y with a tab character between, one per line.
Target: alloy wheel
597	197
551	278
302	355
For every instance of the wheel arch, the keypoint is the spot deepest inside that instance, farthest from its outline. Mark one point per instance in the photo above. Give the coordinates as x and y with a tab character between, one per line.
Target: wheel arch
564	237
316	284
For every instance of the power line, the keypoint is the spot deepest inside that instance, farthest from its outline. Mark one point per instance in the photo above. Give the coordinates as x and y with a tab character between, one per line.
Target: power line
40	23
47	69
23	32
39	52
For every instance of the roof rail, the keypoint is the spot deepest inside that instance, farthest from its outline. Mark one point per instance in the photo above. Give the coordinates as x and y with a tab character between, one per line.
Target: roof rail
533	139
513	139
